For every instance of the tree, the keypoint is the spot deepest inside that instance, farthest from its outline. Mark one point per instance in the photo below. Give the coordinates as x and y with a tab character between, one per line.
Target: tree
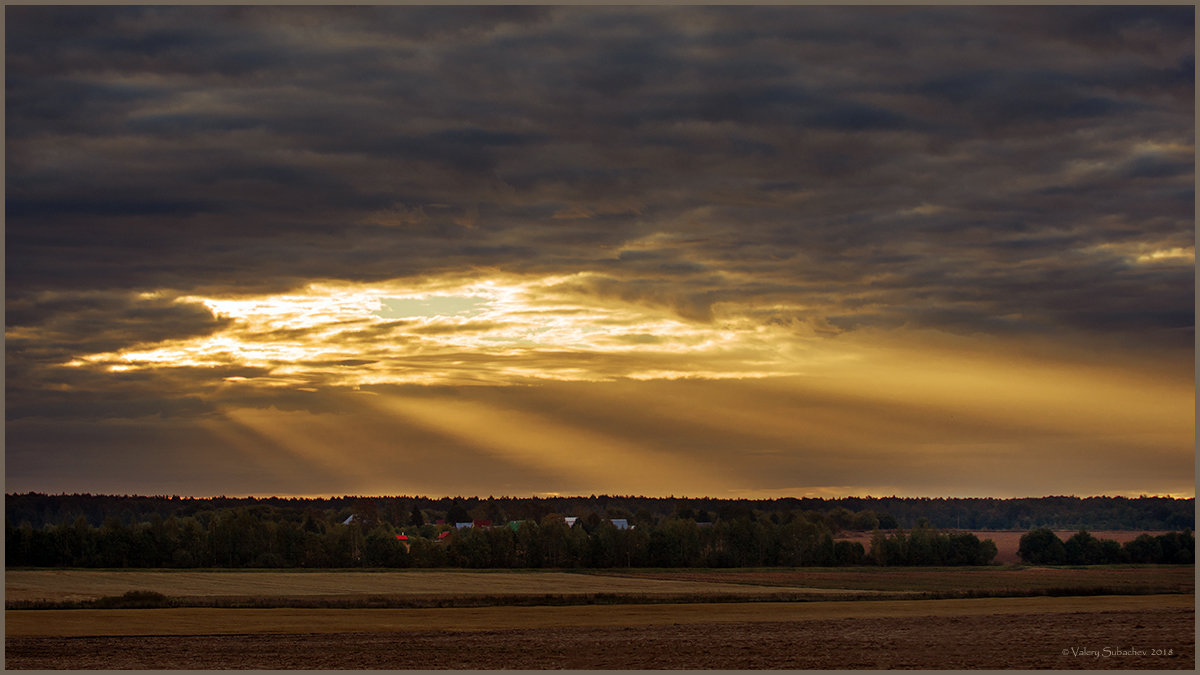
879	547
848	553
1145	549
839	519
922	545
864	521
417	518
592	521
457	514
528	552
1042	547
313	522
602	546
492	511
551	540
576	546
384	550
987	552
966	549
115	543
1083	549
1113	552
366	511
1177	547
675	543
502	542
470	548
889	549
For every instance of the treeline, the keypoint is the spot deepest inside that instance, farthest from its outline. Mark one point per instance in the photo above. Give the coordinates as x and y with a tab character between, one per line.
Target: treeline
925	545
262	536
862	513
1043	547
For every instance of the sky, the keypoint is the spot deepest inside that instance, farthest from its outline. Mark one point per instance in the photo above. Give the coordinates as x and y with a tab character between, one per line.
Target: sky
775	251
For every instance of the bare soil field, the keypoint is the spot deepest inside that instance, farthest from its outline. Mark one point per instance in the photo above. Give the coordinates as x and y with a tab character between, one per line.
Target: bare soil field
1133	638
1008	542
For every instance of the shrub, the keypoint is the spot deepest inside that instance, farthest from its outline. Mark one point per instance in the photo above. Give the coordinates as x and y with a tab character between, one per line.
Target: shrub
133	600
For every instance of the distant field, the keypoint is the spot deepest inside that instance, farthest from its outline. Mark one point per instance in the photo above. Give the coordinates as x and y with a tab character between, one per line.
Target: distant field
1167	579
66	585
67	589
1008	542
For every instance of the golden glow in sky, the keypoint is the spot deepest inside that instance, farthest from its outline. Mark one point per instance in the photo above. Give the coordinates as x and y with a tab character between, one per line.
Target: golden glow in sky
503	331
815	409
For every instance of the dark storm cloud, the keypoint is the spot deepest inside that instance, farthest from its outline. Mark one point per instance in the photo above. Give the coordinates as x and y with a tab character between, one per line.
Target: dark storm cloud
94	321
954	168
46	330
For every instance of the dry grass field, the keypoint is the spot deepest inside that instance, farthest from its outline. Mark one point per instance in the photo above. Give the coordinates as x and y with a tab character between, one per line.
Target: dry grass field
415	588
69	585
1012	580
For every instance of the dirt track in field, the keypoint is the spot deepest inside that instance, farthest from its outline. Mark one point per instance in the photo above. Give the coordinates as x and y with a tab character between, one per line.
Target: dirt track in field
1023	641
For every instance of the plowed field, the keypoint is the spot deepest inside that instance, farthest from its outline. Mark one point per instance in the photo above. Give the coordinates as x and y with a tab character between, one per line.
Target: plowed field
1100	640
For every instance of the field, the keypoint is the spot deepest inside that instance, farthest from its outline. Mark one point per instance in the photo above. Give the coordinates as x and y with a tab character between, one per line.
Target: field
652	619
416	588
88	584
952	580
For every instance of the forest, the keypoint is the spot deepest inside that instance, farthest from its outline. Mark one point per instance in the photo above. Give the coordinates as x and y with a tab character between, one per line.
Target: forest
264	537
1060	513
131	531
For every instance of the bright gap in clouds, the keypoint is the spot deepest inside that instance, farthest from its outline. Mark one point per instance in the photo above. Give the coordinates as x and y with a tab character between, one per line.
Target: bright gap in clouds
438	305
494	331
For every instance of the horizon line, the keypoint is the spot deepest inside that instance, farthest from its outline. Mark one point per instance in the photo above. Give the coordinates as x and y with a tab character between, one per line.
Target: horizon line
330	496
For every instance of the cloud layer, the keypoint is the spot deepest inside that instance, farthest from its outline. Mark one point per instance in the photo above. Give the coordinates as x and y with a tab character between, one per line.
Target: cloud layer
707	192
